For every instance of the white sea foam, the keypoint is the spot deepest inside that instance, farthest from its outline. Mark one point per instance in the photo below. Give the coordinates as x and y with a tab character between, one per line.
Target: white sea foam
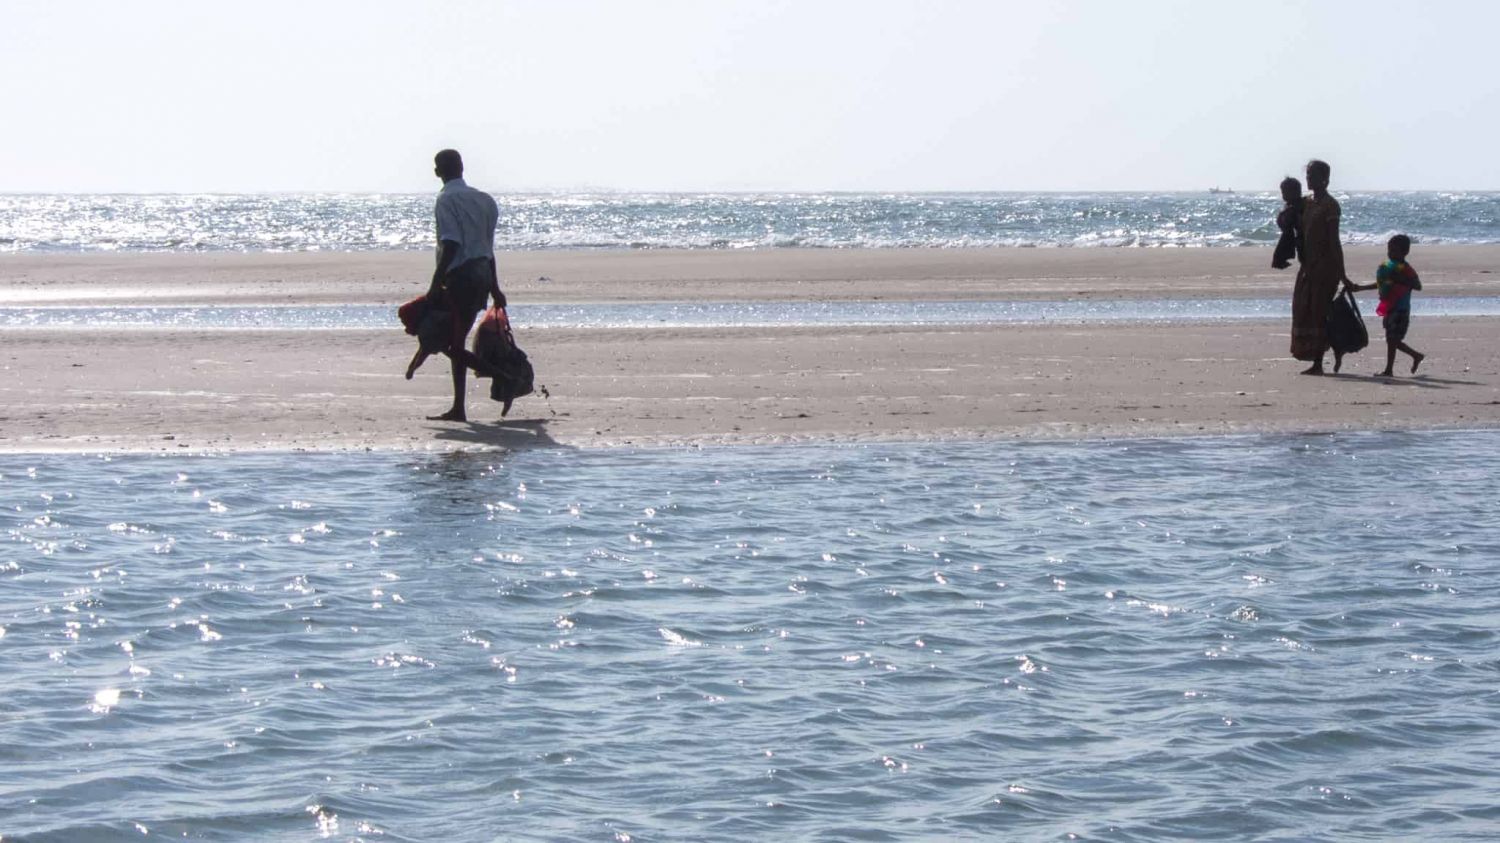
677	639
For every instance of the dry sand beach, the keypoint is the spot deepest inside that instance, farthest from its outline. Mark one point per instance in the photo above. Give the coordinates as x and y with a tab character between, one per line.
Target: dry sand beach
134	389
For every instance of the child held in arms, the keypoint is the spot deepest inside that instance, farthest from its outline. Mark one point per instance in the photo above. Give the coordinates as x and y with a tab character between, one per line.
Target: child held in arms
1290	223
1396	280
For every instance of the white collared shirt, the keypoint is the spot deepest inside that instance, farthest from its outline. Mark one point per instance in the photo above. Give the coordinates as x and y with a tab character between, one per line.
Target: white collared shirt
467	217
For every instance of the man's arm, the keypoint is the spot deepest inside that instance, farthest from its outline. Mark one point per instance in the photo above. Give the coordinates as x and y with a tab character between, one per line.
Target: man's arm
495	293
449	236
446	250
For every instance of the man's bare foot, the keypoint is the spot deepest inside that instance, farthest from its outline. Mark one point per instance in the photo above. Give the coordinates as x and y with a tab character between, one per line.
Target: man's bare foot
1338	363
1386	374
1416	360
410	370
1314	369
505	408
451	415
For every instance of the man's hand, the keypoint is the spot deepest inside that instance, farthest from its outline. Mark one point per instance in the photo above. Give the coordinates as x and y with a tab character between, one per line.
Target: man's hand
495	293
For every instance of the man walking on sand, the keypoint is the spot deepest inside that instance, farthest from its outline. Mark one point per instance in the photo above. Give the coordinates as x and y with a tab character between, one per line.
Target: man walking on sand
465	273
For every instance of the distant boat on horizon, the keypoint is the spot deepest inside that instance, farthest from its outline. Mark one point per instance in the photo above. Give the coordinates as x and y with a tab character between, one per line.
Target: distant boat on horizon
1217	190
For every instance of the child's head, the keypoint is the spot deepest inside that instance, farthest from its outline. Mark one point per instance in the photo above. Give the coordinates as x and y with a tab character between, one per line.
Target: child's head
1291	189
1398	247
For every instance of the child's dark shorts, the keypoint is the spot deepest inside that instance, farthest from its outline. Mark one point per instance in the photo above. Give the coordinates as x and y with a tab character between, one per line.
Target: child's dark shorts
1395	326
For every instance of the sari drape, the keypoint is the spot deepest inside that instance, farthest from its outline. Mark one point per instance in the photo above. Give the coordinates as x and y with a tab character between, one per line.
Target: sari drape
1318	277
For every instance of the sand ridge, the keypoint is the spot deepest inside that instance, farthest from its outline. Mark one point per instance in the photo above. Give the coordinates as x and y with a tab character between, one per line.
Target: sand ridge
205	390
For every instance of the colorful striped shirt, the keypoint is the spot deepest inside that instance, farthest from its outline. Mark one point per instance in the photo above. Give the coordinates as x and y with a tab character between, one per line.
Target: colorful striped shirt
1395	280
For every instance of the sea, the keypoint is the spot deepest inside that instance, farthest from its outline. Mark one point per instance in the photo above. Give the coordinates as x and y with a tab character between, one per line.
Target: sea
1261	638
1248	638
343	222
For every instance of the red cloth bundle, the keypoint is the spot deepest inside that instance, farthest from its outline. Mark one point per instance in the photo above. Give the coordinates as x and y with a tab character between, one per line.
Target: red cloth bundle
411	314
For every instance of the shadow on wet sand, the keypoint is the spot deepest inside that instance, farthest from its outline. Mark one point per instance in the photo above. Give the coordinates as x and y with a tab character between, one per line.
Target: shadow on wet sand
510	434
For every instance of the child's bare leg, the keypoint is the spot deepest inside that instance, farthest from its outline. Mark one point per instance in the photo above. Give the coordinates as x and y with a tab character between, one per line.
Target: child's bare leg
1390	360
416	363
1416	356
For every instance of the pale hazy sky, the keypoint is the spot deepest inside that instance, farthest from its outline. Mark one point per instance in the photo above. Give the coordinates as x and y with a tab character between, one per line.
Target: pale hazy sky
747	94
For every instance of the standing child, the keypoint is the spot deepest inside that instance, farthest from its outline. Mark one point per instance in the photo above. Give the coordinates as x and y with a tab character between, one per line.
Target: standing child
1396	280
1290	223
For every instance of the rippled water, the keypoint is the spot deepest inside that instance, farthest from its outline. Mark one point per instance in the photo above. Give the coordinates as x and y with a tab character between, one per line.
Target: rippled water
306	222
709	314
1258	638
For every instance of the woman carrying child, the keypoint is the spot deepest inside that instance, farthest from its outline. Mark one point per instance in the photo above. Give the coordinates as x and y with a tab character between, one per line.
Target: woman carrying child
1321	272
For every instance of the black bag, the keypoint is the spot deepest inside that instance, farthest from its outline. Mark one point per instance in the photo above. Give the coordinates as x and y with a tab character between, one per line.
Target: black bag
504	361
435	330
1346	328
429	321
513	377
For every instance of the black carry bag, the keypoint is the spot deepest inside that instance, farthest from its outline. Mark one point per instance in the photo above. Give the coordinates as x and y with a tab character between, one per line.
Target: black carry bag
435	330
431	322
506	363
513	378
1346	328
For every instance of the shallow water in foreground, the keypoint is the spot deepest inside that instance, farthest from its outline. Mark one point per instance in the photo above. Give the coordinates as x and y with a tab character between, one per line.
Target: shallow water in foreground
1249	638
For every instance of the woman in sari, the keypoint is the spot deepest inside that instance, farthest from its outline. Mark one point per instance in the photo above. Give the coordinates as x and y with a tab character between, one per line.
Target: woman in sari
1321	272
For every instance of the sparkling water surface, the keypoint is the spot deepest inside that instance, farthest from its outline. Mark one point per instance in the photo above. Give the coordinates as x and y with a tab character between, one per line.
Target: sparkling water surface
760	314
1260	638
342	222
